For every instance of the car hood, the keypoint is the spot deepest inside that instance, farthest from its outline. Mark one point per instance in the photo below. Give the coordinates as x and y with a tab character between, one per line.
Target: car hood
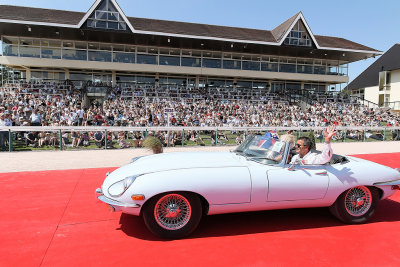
174	161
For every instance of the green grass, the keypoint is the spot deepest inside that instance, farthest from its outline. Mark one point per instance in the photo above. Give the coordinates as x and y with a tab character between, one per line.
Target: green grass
19	145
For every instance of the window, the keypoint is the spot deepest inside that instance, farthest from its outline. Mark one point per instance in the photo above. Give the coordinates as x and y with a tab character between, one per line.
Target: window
211	63
54	53
298	36
124	57
250	65
146	59
106	17
191	62
168	60
269	67
232	64
287	68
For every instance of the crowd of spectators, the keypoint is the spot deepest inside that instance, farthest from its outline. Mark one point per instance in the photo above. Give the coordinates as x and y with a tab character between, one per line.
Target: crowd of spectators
61	104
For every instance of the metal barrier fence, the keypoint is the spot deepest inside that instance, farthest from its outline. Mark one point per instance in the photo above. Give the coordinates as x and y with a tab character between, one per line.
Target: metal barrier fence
359	133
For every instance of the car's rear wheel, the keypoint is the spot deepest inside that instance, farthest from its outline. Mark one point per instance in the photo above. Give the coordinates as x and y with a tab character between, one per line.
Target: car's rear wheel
173	215
356	205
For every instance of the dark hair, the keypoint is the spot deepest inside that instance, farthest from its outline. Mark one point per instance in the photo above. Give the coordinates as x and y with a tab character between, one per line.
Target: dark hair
306	141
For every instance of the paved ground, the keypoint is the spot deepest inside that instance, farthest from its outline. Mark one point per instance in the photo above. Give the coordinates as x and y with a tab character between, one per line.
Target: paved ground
52	218
83	159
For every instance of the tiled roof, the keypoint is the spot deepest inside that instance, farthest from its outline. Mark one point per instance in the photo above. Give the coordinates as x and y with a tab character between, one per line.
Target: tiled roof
370	77
185	28
73	18
40	15
283	28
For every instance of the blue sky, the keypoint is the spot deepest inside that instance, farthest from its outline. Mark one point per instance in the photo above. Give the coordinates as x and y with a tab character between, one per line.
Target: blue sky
371	23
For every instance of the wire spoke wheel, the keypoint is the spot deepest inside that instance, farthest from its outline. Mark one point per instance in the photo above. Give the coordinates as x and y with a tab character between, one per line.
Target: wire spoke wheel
172	211
358	201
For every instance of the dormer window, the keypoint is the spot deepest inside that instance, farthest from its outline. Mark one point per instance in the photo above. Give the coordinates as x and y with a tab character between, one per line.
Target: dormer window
106	16
298	36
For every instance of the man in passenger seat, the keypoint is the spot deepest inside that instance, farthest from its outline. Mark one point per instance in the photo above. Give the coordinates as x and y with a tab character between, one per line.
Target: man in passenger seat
303	149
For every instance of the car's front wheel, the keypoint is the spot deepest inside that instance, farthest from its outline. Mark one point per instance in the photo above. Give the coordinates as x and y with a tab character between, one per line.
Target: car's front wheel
356	205
172	215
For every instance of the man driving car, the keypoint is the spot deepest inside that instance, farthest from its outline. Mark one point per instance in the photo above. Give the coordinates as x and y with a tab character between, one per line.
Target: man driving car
304	154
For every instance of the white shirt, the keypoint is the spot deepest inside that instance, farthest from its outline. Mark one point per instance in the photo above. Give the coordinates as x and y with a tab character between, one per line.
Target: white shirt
315	158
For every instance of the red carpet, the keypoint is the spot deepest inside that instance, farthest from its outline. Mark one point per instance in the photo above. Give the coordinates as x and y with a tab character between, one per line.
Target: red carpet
52	218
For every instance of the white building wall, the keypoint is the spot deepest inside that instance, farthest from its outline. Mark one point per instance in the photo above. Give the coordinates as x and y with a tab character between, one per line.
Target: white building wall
372	94
395	86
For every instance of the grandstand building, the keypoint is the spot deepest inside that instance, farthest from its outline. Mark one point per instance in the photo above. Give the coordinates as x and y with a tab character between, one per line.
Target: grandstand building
380	82
104	45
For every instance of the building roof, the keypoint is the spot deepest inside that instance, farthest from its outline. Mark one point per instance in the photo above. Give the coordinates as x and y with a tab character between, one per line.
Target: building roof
370	77
52	17
280	31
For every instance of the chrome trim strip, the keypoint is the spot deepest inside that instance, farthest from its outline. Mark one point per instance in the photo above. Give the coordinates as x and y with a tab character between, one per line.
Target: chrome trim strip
395	182
116	203
135	159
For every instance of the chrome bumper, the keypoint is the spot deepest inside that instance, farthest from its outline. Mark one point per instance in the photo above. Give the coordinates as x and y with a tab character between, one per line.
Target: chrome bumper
115	205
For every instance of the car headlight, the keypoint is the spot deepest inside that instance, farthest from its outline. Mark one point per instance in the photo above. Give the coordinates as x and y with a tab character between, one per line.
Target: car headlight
118	188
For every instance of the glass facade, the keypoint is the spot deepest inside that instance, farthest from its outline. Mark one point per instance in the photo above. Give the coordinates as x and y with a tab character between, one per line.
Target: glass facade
106	52
191	62
104	56
170	61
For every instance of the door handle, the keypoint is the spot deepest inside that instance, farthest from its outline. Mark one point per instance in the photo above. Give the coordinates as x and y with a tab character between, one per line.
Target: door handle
322	173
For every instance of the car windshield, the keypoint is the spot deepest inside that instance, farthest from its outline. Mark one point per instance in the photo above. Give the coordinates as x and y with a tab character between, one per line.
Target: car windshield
264	149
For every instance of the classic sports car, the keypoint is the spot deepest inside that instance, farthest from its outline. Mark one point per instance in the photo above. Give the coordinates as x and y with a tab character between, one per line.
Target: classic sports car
172	191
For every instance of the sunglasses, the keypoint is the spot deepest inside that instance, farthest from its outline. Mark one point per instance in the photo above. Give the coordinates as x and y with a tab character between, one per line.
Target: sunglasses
298	145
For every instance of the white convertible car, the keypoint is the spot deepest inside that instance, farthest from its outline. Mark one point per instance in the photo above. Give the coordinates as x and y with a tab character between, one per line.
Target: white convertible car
172	191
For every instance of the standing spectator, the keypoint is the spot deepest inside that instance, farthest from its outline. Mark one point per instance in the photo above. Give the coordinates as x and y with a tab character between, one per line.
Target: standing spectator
80	113
3	134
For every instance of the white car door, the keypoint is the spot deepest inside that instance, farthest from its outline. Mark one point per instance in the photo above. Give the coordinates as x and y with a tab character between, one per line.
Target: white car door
303	182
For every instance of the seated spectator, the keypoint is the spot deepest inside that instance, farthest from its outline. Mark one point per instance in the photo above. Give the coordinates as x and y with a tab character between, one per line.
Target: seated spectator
177	138
98	138
31	139
352	135
213	142
85	139
35	118
76	139
137	139
123	143
42	139
377	136
65	138
238	139
110	140
54	139
223	136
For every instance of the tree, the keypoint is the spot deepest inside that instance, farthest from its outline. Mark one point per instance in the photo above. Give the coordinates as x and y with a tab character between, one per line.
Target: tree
153	144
